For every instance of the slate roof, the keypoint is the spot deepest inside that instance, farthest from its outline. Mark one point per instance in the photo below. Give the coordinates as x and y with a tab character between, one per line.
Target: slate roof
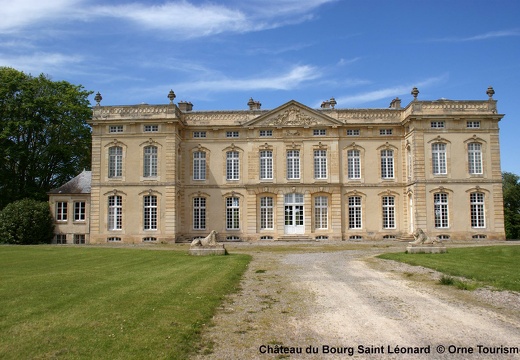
78	185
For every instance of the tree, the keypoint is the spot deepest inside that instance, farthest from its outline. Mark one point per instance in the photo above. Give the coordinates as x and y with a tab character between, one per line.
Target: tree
44	136
26	222
511	189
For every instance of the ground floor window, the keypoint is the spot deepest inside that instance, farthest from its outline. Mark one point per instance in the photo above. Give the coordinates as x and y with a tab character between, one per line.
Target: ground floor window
440	203
79	238
478	220
61	238
150	212
354	212
320	212
199	213
388	212
232	213
266	212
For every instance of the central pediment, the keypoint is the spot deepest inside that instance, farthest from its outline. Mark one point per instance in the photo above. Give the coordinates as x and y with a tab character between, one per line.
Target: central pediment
292	114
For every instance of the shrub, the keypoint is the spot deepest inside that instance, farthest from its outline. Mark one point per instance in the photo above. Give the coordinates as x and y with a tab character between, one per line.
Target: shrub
26	222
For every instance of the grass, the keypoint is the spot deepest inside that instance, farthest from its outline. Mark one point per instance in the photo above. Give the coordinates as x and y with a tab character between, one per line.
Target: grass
86	302
497	266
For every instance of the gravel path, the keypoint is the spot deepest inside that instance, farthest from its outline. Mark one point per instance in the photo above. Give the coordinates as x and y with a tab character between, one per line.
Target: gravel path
350	303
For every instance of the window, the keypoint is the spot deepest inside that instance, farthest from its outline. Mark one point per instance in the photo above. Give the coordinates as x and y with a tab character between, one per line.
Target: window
319	132
232	213
61	211
232	165
115	212
353	164
266	213
115	129
199	165
320	212
232	134
409	162
233	238
79	211
266	133
114	239
199	213
473	124
353	132
266	237
385	132
388	212
440	203
150	212
115	161
293	164
437	124
61	238
79	238
199	134
387	164
150	161
439	159
475	158
320	164
266	164
478	219
354	212
149	239
151	128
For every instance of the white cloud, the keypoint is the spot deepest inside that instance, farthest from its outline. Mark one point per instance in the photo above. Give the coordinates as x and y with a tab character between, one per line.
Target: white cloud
40	62
485	36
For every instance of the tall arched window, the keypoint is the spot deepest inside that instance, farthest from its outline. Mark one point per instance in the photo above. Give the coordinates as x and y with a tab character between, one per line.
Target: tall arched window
115	212
199	165
150	212
439	159
387	164
475	158
115	161
478	218
232	165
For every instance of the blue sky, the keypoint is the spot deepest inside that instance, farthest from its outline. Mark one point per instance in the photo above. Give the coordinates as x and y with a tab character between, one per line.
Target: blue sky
218	54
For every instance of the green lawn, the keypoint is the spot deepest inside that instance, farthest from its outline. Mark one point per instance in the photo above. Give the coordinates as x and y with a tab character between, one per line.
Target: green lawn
100	303
498	266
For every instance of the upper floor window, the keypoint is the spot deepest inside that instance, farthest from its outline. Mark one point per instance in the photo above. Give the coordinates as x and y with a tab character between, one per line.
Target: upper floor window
478	219
115	161
319	132
150	212
439	159
115	128
320	164
199	165
151	128
266	164
199	134
266	133
475	158
61	211
385	131
293	164
437	124
232	134
440	207
232	165
115	212
79	211
353	164
473	124
353	132
150	161
387	164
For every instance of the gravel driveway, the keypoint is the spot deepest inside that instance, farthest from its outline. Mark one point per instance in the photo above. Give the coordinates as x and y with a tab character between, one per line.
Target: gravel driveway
346	303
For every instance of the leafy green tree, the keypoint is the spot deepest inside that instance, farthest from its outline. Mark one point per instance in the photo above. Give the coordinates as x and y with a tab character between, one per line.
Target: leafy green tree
511	188
26	222
44	136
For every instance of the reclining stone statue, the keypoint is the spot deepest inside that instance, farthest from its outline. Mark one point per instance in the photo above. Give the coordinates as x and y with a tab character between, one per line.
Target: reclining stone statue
421	238
210	240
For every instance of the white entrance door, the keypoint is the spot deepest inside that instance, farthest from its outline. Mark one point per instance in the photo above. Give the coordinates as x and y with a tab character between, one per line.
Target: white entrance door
294	214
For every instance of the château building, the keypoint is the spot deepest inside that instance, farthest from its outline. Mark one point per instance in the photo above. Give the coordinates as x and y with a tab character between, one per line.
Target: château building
167	173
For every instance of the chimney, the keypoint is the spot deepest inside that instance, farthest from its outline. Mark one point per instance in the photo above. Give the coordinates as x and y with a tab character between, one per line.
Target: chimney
254	105
395	103
185	106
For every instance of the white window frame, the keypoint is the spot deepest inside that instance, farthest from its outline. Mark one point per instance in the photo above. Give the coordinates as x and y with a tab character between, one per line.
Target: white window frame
441	210
266	213
115	212
115	129
437	124
439	165
151	128
354	164
232	213
199	134
353	132
150	212
319	132
232	134
266	133
385	132
150	161
321	207
475	158
266	165
320	164
199	213
354	212
232	165
387	164
115	162
293	164
79	211
199	165
61	211
388	212
473	124
478	210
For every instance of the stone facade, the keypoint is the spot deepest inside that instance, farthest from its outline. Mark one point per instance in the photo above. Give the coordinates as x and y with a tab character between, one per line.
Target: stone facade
168	173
